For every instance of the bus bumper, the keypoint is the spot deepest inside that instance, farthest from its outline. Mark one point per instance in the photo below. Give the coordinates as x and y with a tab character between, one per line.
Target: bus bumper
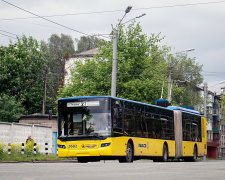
84	148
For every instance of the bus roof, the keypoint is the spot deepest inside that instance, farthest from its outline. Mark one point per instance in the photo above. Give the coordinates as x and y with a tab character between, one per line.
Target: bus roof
184	110
89	97
171	108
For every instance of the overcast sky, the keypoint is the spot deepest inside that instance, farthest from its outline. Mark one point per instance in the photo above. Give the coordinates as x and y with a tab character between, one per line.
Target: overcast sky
201	26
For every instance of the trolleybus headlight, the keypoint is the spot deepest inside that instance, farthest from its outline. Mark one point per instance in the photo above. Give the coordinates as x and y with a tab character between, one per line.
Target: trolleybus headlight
62	146
105	144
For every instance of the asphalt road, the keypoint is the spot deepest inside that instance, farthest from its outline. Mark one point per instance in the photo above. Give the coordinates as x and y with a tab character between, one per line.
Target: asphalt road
139	170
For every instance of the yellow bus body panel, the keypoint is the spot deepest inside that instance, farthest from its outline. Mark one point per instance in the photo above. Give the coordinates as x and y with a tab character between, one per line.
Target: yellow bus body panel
188	147
142	146
117	147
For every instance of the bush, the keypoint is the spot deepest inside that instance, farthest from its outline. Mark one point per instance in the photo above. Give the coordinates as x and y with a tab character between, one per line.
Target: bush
2	149
30	147
16	153
16	148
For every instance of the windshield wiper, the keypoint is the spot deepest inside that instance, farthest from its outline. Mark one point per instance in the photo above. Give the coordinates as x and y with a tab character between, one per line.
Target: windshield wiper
96	135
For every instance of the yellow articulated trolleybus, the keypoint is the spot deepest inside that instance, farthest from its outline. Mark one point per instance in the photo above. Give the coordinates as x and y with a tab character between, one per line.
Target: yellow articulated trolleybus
94	128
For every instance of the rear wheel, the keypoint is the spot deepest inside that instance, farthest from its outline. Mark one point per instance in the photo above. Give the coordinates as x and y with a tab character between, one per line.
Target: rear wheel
194	157
129	155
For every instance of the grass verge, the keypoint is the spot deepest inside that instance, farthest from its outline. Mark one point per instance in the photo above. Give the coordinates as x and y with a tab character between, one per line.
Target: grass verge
29	158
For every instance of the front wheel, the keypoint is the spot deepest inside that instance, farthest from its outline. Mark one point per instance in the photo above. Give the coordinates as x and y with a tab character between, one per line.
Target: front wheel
129	155
82	160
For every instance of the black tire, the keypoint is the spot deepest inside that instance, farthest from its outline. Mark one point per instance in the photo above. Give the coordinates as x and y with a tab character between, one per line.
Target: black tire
165	153
129	158
156	160
82	160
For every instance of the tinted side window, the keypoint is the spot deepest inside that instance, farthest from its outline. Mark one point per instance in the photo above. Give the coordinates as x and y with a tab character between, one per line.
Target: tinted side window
129	119
117	117
191	127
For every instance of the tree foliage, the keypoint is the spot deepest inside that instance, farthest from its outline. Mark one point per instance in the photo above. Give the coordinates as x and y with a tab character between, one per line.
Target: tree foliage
88	42
21	73
222	105
186	74
10	108
141	68
59	48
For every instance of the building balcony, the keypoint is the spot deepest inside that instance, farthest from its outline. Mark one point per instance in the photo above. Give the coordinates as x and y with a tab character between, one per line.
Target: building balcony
215	130
215	118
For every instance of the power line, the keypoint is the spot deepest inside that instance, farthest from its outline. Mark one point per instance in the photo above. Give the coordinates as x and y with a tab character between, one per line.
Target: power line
110	11
182	5
7	35
61	15
8	32
46	18
215	72
26	22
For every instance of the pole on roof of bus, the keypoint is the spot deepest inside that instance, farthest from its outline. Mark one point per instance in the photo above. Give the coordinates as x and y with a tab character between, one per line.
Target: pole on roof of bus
162	89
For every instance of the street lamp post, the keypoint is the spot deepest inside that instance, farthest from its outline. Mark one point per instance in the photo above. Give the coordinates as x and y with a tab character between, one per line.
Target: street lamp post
114	65
115	40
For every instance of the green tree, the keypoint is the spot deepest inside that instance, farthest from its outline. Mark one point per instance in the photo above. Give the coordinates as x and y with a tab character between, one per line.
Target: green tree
21	73
222	105
60	48
142	66
88	42
10	108
140	73
186	74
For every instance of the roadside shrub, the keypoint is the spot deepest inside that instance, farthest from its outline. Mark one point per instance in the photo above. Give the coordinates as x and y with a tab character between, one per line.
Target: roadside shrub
28	153
29	148
16	148
2	149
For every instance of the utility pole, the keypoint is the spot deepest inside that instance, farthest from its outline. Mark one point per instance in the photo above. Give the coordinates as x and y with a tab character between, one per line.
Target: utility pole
115	40
44	91
205	98
169	80
205	104
114	65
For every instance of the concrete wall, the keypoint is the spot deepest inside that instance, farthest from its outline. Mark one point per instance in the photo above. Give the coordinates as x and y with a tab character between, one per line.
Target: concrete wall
18	133
47	123
40	119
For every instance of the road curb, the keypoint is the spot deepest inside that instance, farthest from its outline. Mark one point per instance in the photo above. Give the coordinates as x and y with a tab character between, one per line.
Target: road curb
56	161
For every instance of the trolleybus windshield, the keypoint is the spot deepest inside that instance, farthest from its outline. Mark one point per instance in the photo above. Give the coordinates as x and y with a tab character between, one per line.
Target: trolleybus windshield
86	118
